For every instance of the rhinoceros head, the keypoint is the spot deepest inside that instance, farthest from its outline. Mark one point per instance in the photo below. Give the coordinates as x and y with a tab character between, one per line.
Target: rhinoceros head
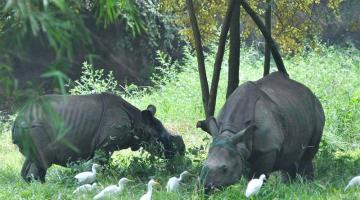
161	143
226	158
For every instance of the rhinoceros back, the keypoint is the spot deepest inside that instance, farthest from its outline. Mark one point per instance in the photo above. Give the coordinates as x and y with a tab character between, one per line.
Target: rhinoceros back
238	111
66	124
298	110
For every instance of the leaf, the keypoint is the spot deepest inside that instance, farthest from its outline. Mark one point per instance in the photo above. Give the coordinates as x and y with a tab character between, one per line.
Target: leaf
60	4
320	186
9	3
60	76
45	3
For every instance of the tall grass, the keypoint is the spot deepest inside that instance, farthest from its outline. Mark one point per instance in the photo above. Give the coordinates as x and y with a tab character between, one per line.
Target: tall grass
332	74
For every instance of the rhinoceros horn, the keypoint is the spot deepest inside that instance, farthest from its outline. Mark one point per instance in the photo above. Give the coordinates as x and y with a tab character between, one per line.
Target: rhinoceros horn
241	134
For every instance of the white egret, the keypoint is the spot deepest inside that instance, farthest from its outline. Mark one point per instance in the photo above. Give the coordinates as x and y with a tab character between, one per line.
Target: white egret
174	182
87	177
353	182
254	186
112	190
148	194
85	188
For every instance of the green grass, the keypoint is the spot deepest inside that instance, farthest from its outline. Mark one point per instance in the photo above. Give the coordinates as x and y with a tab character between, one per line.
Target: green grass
332	73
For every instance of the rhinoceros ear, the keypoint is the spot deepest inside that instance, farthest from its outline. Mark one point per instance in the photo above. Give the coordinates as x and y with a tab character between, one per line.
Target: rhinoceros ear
241	134
212	126
152	109
147	117
202	124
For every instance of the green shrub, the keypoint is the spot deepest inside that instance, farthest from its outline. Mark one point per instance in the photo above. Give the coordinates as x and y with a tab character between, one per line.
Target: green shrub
94	81
165	72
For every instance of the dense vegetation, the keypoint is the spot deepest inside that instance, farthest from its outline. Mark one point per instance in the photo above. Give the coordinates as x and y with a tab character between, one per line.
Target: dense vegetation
293	21
331	72
39	36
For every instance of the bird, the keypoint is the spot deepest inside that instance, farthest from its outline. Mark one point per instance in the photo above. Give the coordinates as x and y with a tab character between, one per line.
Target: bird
112	189
254	186
148	194
353	182
85	188
174	182
87	177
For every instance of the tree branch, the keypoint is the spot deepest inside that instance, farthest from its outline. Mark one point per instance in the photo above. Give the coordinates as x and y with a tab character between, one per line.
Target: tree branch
219	58
276	55
200	56
267	46
234	54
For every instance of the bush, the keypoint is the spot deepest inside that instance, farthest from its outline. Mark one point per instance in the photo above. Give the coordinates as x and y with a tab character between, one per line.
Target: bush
94	81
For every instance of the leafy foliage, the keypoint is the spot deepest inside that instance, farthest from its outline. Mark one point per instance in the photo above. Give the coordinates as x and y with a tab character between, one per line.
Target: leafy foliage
59	28
8	84
55	21
294	21
94	81
50	36
110	11
60	22
165	71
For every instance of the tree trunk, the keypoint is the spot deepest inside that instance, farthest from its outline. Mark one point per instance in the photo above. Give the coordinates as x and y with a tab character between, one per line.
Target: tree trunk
234	54
219	58
267	46
200	56
275	53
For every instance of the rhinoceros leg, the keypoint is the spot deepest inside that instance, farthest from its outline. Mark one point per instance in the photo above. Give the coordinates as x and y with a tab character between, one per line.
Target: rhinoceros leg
264	164
306	166
31	172
289	174
25	168
42	153
306	170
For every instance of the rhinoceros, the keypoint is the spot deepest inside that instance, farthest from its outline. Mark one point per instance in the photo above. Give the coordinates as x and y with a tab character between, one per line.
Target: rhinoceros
271	124
58	129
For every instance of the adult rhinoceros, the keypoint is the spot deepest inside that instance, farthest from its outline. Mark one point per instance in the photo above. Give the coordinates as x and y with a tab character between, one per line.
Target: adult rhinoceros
271	124
59	129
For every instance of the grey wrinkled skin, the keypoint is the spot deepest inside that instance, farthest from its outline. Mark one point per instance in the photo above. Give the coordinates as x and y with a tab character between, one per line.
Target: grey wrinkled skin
271	124
59	129
218	162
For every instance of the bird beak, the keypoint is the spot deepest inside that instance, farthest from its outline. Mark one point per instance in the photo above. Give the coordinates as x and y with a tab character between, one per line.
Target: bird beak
156	182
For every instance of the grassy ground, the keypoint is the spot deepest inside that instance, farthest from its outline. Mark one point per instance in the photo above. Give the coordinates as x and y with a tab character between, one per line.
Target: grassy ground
332	73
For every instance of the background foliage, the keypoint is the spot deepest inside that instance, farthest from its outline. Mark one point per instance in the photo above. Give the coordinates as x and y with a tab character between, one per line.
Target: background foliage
293	23
122	36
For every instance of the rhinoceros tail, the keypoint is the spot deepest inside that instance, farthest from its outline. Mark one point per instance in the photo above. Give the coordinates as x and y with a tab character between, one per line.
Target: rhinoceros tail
15	135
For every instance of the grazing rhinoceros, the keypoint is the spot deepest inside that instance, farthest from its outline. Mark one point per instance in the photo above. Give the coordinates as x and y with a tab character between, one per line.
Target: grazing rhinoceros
271	124
60	129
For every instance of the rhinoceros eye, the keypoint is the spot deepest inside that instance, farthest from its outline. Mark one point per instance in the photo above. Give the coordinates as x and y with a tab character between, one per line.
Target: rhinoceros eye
224	168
